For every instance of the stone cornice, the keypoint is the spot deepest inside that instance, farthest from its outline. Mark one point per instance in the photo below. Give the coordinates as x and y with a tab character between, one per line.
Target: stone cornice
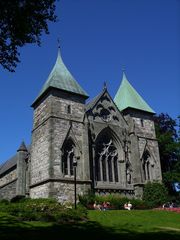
63	180
4	185
148	138
55	117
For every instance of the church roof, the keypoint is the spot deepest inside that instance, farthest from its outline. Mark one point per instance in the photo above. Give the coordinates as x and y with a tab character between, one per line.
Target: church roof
127	97
10	163
90	104
61	78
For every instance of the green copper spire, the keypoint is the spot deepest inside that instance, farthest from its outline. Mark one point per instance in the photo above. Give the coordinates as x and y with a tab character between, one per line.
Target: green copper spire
61	78
127	97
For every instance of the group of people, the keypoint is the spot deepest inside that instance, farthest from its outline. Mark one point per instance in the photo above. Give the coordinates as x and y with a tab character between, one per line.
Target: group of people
103	206
128	206
106	205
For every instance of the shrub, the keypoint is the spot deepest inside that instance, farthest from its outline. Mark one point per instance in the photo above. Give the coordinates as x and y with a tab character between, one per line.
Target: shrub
87	199
116	201
4	202
155	194
43	210
18	198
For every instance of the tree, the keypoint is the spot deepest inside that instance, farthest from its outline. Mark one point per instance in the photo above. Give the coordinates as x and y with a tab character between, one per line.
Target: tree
155	194
168	140
22	22
168	135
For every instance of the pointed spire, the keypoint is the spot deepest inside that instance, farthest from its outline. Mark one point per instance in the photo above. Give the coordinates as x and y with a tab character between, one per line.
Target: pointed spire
22	147
58	41
127	97
61	78
59	48
105	86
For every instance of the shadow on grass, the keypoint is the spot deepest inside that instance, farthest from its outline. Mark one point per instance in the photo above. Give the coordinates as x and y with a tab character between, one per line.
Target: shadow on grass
10	228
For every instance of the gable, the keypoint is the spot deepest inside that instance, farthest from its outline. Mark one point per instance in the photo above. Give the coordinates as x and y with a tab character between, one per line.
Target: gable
70	135
103	109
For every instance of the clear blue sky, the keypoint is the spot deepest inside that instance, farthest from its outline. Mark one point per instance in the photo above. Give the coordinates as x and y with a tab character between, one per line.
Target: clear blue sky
98	38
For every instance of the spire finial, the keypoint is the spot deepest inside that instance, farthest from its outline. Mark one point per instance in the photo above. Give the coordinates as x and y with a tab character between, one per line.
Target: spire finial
58	42
22	147
105	85
59	51
123	69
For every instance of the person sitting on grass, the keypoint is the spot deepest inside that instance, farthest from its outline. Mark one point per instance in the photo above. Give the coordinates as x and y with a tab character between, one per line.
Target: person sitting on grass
128	206
96	206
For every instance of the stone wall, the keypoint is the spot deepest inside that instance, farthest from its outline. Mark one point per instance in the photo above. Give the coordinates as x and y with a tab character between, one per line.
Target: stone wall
9	177
40	153
41	191
8	191
64	192
144	125
57	117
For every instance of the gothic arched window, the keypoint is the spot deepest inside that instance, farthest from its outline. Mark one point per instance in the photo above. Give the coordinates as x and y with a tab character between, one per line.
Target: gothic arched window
146	166
106	156
67	157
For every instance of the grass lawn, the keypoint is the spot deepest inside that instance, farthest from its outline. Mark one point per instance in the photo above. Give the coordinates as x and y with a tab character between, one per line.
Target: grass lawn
102	225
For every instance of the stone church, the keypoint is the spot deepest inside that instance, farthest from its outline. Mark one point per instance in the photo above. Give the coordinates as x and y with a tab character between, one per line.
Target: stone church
110	144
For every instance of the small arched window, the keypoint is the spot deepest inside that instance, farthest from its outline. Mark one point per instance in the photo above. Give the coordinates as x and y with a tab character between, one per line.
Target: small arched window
142	122
68	157
69	109
146	165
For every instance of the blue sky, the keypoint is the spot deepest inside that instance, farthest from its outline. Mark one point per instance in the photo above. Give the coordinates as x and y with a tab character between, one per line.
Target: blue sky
98	38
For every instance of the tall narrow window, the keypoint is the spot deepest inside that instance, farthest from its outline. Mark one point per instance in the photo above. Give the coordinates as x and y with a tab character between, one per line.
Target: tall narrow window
146	166
106	167
69	109
67	158
142	122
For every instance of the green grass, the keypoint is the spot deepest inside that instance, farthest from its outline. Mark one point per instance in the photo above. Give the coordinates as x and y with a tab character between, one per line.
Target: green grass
102	225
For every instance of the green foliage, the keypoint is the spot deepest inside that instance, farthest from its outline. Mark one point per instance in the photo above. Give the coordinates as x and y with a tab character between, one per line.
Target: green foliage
155	194
168	139
22	22
116	201
87	199
42	210
4	202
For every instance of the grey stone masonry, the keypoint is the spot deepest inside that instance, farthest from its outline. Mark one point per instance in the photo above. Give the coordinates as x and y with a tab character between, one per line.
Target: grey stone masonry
92	146
10	176
21	170
8	191
57	118
142	128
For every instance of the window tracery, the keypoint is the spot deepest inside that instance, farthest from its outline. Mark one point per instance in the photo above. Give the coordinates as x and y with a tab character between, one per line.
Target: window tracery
67	158
106	157
146	165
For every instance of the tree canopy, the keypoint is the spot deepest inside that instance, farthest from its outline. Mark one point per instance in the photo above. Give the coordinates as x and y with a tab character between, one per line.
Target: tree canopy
22	22
168	139
168	135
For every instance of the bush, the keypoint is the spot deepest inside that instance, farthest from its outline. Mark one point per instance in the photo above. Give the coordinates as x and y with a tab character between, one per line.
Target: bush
43	210
18	198
116	201
87	199
155	194
4	202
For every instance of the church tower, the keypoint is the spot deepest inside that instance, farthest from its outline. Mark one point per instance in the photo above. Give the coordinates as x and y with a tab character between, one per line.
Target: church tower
58	137
144	152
